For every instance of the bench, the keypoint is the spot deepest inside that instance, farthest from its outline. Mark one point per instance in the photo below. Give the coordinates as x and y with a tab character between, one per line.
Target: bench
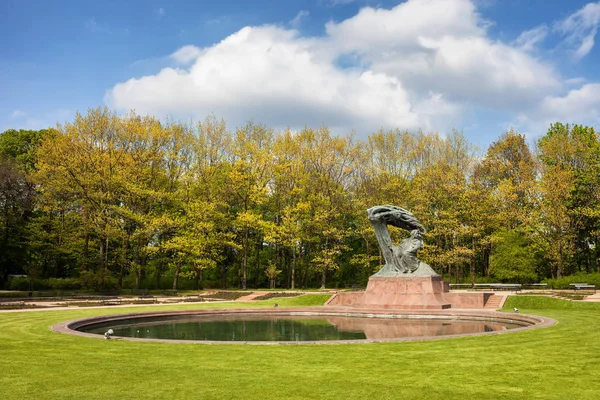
46	293
170	292
516	287
68	293
140	292
354	286
482	286
582	286
110	292
461	285
499	286
536	286
110	302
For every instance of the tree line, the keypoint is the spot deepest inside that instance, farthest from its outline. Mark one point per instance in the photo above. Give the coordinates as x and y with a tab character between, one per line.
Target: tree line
128	201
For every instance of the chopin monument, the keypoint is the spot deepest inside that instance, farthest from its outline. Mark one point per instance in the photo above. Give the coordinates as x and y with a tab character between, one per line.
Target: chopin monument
404	281
400	260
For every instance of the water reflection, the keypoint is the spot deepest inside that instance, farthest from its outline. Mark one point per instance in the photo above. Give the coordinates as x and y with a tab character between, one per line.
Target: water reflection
289	328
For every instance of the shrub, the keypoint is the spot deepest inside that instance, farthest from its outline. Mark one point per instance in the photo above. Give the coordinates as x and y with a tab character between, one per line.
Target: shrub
273	295
64	283
20	284
226	295
563	283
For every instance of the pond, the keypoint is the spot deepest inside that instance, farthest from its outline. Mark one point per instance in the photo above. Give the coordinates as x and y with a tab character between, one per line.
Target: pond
290	328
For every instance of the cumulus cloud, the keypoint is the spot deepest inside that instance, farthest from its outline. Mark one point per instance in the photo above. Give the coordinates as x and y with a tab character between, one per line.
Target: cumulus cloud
186	54
580	29
271	75
580	106
442	45
421	64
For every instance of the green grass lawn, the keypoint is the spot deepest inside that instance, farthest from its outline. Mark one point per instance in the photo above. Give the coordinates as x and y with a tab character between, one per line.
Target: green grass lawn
559	362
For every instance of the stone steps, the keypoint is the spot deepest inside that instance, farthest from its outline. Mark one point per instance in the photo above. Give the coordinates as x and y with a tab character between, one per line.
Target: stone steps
494	302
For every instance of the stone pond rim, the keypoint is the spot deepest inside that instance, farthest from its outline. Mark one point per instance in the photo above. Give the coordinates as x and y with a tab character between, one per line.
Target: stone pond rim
529	322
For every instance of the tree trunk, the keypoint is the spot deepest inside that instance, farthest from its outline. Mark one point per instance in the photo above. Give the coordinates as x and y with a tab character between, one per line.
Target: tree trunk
323	276
473	262
157	276
106	254
245	260
125	257
101	255
293	267
176	277
257	275
198	279
223	276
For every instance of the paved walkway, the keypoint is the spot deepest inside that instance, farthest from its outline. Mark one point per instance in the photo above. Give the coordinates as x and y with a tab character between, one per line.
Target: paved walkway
594	297
46	306
165	301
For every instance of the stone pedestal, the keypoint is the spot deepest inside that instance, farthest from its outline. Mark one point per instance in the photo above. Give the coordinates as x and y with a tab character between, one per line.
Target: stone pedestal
409	293
406	293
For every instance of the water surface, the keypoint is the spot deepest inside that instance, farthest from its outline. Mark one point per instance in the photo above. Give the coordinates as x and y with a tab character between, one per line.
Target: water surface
288	328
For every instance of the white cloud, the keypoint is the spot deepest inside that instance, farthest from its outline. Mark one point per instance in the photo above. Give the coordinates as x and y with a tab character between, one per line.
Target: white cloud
442	45
18	114
528	40
579	105
580	29
186	54
270	75
297	20
160	12
419	64
575	81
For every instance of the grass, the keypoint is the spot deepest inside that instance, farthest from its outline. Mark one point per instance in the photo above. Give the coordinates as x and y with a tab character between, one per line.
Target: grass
559	362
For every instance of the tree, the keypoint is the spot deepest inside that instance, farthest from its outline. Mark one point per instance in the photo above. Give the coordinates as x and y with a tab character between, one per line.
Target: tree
16	206
514	258
17	198
569	156
248	182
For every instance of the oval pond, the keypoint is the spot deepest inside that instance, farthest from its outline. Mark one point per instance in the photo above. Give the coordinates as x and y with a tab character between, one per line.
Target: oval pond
287	328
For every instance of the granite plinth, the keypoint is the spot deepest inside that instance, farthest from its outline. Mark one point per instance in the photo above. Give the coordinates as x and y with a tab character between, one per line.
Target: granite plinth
405	292
429	293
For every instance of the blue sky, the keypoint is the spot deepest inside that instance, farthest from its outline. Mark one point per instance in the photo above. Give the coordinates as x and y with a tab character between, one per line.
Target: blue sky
480	66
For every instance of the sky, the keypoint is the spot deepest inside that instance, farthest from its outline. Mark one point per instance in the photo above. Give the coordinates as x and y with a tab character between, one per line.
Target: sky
478	66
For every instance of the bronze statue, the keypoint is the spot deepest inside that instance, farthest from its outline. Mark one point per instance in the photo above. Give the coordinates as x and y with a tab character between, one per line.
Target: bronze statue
400	260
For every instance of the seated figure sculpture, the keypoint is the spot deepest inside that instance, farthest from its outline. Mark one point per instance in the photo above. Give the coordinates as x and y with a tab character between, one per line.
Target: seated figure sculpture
401	259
